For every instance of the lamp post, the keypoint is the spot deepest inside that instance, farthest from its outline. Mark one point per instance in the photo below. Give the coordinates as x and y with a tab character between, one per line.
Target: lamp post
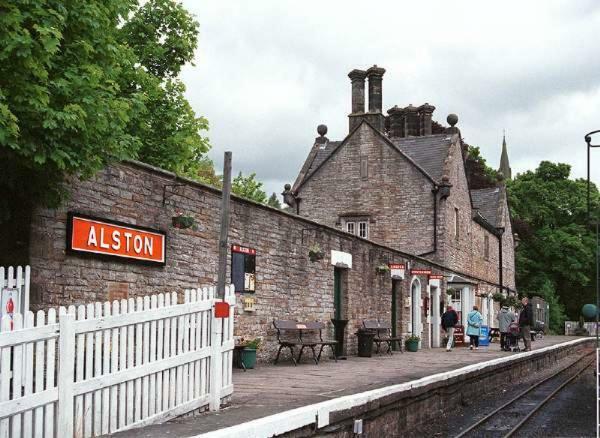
588	140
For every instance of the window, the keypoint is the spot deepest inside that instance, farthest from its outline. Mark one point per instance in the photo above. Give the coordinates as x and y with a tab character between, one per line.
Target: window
357	226
363	229
486	247
364	167
456	224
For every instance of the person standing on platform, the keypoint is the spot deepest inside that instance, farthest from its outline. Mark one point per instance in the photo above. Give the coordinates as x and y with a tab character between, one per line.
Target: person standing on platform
505	317
474	321
525	322
449	320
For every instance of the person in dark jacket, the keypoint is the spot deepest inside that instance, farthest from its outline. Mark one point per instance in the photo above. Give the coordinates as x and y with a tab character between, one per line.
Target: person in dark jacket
449	320
525	323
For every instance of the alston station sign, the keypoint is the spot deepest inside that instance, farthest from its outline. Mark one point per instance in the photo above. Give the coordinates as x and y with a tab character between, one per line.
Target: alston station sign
102	237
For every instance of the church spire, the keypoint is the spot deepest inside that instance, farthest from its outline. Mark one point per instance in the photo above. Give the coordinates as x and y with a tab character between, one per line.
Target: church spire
504	164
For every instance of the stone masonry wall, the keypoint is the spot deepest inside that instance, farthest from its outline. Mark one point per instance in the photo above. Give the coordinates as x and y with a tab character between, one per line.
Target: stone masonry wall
288	285
395	195
467	252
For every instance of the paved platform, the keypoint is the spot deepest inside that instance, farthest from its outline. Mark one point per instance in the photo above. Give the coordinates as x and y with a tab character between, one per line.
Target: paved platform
271	389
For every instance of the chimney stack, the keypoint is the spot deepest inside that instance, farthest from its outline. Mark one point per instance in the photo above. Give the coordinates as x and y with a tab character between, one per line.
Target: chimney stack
375	75
411	121
396	120
358	90
425	113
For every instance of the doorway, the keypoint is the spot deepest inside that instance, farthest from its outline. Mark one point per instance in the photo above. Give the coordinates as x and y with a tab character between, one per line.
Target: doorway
417	326
339	321
395	294
435	315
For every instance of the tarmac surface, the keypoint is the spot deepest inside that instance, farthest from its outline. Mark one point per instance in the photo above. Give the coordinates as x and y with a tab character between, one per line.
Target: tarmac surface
270	389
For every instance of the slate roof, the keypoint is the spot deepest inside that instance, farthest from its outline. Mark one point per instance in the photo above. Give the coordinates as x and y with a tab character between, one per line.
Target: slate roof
428	152
317	155
487	202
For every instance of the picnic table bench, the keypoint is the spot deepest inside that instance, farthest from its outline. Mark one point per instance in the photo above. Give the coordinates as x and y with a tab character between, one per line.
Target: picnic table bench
292	334
383	334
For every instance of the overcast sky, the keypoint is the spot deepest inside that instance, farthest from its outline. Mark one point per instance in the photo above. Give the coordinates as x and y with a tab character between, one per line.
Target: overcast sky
268	72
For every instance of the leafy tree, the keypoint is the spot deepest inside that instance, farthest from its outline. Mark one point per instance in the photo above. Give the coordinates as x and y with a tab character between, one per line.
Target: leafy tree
248	187
163	36
556	257
274	201
479	174
206	173
86	82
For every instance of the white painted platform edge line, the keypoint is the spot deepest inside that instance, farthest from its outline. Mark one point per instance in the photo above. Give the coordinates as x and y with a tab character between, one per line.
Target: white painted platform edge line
319	412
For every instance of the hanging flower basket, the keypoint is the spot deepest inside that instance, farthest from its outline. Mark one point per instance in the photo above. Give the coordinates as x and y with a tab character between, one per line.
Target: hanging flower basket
315	253
181	221
382	269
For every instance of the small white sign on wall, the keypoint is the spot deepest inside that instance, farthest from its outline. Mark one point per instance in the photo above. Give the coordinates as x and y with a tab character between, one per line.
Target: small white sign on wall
341	259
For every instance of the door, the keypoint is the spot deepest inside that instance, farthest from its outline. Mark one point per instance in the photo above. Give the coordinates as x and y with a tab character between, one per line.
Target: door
435	316
337	293
395	294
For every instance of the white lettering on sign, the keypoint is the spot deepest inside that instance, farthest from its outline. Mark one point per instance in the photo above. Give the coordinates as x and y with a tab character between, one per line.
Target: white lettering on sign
102	243
92	237
137	244
140	243
116	237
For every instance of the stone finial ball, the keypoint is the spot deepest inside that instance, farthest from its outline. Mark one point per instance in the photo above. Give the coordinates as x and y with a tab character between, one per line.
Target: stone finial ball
452	119
322	130
287	187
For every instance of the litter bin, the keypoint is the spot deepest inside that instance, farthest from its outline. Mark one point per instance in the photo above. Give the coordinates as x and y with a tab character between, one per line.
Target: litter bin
484	336
365	343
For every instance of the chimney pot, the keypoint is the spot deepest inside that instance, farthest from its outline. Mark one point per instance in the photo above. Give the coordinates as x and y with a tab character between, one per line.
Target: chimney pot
396	118
358	90
375	75
425	113
411	121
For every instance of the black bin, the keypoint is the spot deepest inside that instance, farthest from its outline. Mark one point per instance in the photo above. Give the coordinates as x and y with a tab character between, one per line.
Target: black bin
365	343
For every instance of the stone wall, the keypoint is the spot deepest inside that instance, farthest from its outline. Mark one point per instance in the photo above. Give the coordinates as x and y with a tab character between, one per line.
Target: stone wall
395	196
288	285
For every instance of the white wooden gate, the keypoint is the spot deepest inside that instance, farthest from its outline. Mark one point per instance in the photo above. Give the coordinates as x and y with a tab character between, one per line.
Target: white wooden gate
107	367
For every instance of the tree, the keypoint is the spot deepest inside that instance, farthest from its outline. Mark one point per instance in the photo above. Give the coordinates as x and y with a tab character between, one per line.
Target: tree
163	35
274	201
479	174
248	187
556	256
206	173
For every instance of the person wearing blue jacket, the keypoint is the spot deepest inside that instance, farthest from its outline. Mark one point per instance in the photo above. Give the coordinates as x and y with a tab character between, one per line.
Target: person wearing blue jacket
474	321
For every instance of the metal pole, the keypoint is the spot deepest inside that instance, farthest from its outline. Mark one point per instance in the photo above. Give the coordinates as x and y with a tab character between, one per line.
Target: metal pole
222	267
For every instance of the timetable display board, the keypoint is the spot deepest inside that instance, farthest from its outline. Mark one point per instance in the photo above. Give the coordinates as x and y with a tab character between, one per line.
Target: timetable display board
243	269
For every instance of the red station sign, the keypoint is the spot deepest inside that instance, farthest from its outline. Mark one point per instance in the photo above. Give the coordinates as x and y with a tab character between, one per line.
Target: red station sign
420	272
88	235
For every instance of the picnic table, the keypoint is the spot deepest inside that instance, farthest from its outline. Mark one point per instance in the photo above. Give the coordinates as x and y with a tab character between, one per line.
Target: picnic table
292	334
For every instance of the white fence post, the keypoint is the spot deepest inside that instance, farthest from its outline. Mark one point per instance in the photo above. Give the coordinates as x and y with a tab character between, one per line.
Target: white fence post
65	375
216	377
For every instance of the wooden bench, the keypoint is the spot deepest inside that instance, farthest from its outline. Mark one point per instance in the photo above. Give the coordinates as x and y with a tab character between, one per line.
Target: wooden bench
292	334
383	334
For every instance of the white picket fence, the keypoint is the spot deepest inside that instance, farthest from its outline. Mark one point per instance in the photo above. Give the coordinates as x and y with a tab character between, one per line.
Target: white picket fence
107	367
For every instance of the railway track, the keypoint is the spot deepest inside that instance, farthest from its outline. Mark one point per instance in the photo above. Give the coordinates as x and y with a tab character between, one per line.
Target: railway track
509	418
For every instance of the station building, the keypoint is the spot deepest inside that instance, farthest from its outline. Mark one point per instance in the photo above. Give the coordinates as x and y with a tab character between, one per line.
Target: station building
381	225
